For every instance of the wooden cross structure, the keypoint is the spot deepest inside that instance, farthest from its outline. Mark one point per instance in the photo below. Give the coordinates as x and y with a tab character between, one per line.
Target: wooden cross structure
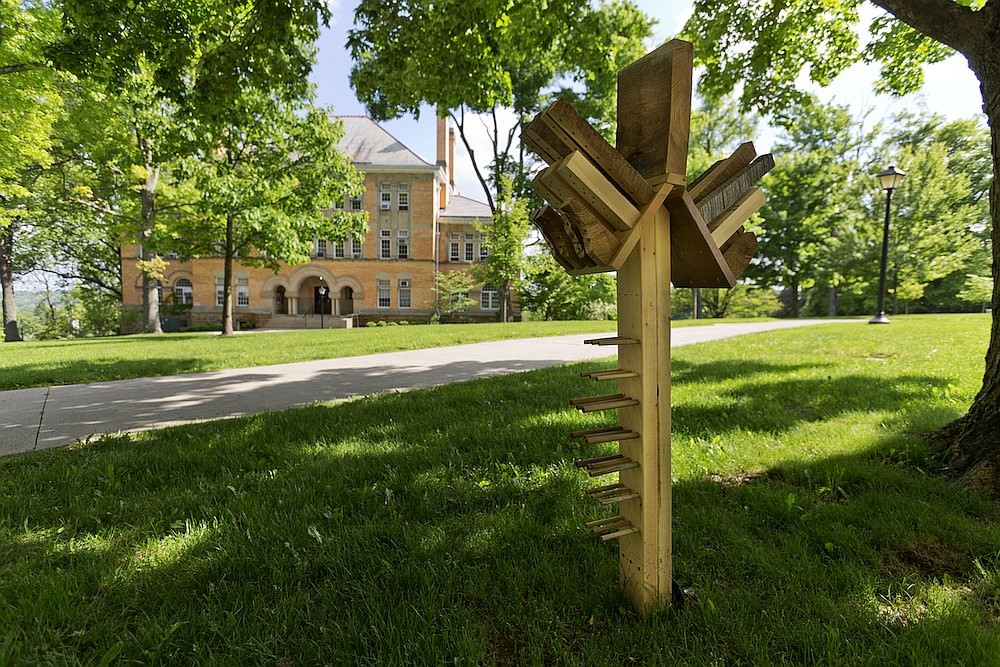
630	209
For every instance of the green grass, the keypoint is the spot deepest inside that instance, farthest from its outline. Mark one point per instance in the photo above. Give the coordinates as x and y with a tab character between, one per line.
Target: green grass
45	363
39	364
446	525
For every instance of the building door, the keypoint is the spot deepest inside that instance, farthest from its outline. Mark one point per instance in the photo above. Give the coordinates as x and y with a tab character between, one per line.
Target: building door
321	303
280	303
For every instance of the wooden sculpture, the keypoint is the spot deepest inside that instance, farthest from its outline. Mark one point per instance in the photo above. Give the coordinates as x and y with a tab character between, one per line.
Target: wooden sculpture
630	209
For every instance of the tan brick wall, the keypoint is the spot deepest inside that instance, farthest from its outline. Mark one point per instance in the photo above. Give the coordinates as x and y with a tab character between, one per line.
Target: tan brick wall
360	275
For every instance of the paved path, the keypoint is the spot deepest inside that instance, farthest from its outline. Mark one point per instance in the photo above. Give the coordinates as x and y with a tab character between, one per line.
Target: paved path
54	416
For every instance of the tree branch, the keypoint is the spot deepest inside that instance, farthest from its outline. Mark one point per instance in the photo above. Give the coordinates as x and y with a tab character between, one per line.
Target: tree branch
472	158
942	20
20	67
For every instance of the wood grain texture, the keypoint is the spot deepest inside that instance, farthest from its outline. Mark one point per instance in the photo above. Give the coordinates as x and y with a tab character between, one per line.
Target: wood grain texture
724	196
722	171
696	258
654	110
729	222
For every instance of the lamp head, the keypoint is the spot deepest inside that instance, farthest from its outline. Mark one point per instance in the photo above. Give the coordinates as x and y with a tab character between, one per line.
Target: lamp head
890	178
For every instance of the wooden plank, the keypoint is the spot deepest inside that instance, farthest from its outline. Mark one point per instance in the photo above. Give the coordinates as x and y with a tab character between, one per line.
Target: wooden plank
654	110
611	436
730	221
694	255
607	470
541	147
611	340
642	224
539	133
613	374
597	192
607	405
722	171
628	530
594	399
550	225
609	520
606	429
739	251
600	152
586	463
717	201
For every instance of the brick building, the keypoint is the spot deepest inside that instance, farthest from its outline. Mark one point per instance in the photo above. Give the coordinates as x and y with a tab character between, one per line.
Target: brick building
417	225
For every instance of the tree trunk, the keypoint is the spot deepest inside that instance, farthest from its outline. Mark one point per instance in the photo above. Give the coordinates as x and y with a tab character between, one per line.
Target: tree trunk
832	305
227	278
506	304
972	442
793	287
150	283
696	307
11	331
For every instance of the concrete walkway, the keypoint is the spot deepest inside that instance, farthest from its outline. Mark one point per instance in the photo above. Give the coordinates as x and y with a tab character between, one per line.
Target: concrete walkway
54	416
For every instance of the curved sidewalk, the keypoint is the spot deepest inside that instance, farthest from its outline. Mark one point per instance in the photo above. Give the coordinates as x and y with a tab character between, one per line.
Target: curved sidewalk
55	416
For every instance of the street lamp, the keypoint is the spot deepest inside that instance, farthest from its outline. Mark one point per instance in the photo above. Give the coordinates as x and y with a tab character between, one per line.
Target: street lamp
323	291
889	179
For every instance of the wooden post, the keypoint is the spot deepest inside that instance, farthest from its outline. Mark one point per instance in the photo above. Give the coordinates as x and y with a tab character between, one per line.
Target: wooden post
644	313
629	209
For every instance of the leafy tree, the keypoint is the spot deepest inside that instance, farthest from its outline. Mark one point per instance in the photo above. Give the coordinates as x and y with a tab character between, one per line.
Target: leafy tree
451	293
769	47
267	181
977	289
815	159
504	239
29	105
552	294
486	57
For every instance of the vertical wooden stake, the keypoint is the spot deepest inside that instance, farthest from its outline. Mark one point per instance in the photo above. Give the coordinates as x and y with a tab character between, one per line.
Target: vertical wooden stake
644	313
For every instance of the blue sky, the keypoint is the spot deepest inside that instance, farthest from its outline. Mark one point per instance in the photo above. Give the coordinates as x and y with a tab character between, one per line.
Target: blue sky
955	91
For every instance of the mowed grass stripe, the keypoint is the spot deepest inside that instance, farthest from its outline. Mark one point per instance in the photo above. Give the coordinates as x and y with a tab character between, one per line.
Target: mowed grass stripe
445	525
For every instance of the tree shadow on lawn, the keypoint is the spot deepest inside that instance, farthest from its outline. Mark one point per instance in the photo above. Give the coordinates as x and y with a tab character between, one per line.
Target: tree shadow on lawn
446	524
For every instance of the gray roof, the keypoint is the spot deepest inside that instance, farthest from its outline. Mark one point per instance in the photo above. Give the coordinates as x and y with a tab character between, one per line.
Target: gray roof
367	143
463	207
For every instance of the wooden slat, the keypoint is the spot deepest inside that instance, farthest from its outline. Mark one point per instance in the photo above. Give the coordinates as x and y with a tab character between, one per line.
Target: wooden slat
606	429
587	463
612	340
718	200
607	470
550	225
545	150
694	256
642	224
729	222
624	402
627	530
721	171
597	192
605	490
595	399
620	498
616	435
600	152
654	110
613	374
541	139
606	521
739	251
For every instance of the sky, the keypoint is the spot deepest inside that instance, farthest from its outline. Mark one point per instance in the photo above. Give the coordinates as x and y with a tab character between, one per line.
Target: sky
955	90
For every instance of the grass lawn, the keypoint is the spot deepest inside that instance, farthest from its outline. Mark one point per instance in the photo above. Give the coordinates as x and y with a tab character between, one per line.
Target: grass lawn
44	363
446	525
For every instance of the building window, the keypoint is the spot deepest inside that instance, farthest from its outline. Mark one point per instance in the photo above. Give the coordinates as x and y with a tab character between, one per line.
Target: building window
338	249
404	243
404	196
159	292
489	298
356	247
470	247
220	292
385	244
357	204
321	247
404	293
453	249
383	293
183	291
338	205
385	196
243	292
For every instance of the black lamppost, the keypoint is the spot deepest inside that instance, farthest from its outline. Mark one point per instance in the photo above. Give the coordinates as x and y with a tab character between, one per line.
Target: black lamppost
889	180
323	290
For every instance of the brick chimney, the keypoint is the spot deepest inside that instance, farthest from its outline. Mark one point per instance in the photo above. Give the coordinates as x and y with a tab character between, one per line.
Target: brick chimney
442	160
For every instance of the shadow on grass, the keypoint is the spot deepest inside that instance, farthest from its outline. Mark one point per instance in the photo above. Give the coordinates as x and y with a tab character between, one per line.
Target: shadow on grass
446	526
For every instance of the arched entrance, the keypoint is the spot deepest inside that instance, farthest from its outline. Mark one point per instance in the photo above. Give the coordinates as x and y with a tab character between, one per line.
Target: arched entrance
346	301
312	299
280	302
